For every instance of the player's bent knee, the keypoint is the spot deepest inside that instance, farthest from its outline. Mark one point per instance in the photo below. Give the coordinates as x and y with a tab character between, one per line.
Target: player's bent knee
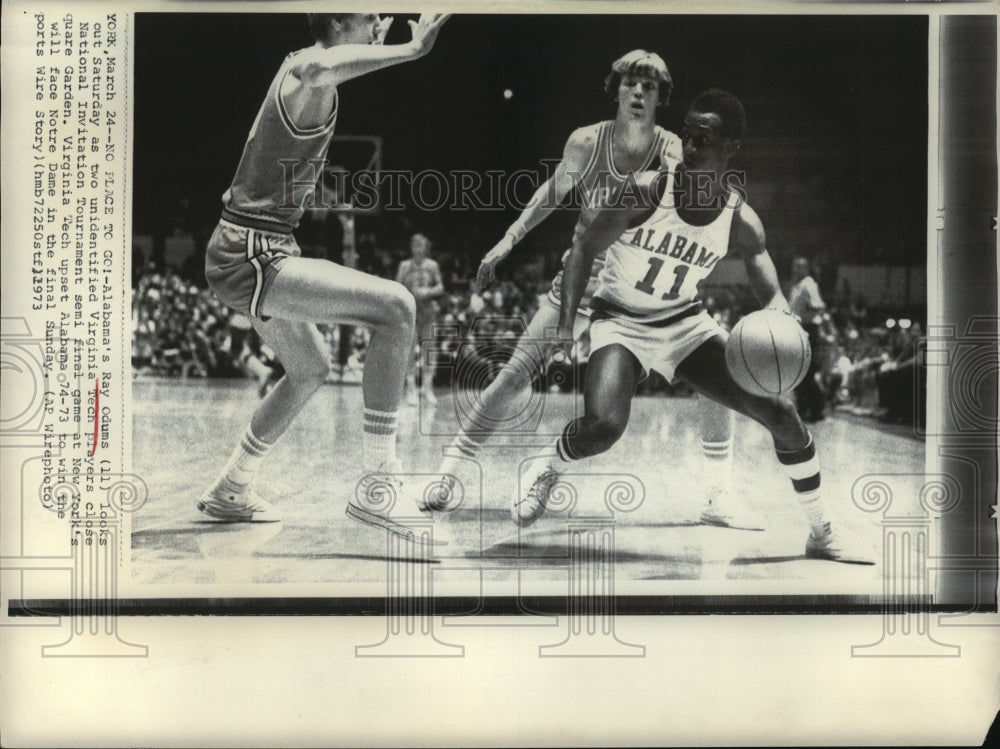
776	412
312	370
400	307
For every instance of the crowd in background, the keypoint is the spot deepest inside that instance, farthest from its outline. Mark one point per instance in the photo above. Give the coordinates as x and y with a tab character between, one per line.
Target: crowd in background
866	359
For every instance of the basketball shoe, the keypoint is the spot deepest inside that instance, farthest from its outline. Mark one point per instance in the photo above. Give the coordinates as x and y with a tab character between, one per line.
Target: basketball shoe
237	507
527	507
382	499
445	496
728	510
839	545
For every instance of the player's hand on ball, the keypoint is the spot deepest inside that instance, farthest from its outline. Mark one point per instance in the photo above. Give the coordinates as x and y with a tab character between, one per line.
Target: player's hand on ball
784	309
487	268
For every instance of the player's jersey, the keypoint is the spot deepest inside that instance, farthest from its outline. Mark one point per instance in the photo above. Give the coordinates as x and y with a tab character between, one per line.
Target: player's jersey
600	182
423	275
277	174
651	272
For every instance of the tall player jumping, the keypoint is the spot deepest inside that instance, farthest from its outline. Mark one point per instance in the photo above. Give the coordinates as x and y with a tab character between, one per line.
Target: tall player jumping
255	266
597	159
647	315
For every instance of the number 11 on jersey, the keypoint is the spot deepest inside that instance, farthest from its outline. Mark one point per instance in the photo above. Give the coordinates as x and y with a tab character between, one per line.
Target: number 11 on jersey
655	266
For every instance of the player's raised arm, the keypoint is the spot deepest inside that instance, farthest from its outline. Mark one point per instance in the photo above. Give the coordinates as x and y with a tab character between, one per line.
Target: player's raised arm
547	197
355	56
747	237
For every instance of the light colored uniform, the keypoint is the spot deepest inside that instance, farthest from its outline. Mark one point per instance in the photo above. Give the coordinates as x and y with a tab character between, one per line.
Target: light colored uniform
597	184
804	300
647	291
415	276
274	183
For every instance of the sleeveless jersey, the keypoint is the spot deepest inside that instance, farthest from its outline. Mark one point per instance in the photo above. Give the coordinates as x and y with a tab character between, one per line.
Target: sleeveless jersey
599	183
276	177
424	275
651	272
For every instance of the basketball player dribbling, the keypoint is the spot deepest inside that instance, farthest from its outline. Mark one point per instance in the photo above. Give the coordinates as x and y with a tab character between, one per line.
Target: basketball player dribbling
254	265
422	276
646	314
596	159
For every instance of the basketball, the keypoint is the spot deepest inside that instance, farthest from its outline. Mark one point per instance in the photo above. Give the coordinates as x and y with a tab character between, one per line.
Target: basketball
768	353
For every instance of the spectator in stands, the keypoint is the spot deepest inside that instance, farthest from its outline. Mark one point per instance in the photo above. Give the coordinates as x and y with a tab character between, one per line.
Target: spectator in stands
897	378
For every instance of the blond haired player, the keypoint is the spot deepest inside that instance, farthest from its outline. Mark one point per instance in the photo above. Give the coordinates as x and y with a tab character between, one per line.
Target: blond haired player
597	160
254	265
647	314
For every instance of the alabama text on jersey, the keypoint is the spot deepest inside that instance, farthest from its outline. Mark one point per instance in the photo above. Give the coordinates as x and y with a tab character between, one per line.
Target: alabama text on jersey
600	181
651	272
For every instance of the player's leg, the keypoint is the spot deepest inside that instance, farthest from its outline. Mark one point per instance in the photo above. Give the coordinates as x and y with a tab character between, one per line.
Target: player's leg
716	441
312	290
306	360
502	400
410	385
424	332
613	372
299	291
705	370
307	289
723	506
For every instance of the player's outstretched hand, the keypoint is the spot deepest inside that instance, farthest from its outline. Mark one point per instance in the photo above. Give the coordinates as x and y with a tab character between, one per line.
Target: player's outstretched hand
425	30
382	29
487	267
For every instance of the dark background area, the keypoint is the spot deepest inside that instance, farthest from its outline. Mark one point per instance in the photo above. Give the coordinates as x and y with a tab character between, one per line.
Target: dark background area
835	153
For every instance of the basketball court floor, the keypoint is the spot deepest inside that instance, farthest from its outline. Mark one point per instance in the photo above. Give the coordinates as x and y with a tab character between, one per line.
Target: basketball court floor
648	489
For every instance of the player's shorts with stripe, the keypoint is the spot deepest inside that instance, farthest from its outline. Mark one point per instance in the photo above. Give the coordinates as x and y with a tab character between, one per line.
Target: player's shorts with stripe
657	347
241	263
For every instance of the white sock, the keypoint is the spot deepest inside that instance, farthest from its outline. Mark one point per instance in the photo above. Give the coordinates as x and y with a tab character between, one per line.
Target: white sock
241	470
463	446
717	464
378	438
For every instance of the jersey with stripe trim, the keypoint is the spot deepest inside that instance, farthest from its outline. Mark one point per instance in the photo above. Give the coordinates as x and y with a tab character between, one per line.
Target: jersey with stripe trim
600	181
651	272
276	177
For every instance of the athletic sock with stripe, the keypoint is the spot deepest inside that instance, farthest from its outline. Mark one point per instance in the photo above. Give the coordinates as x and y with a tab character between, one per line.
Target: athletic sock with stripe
241	469
379	438
802	467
